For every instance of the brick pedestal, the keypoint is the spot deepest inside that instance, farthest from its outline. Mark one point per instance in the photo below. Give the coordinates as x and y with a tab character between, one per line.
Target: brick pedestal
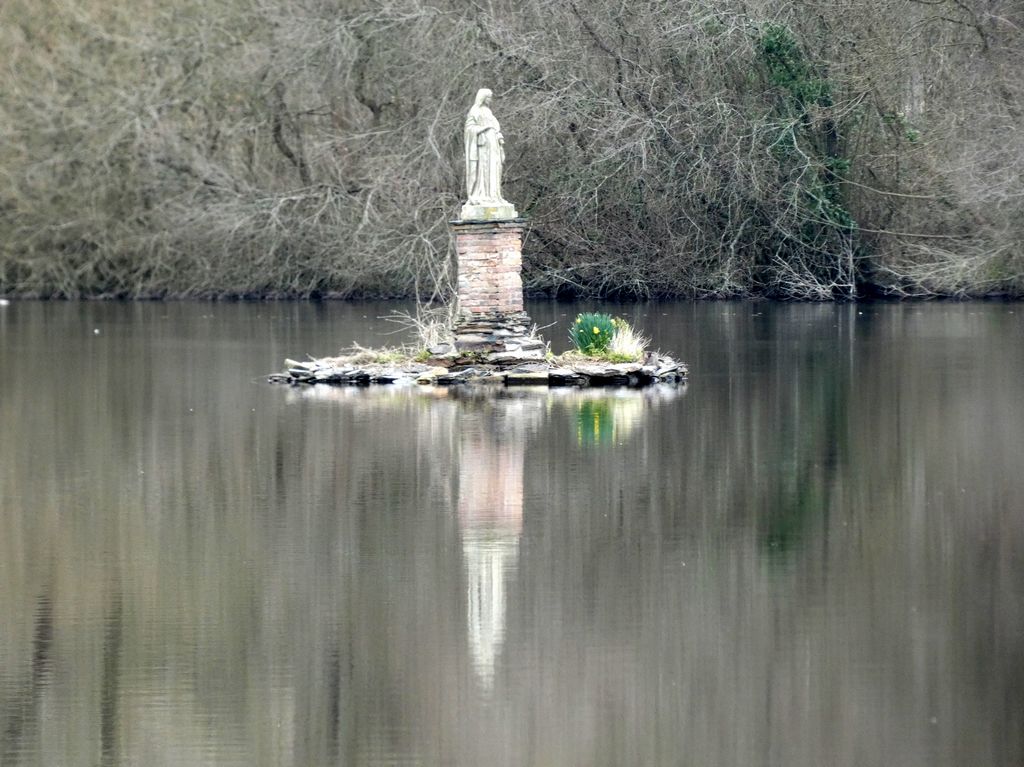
490	263
490	284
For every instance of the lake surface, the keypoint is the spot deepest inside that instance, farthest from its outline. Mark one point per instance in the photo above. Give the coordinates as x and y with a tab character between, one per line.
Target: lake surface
812	554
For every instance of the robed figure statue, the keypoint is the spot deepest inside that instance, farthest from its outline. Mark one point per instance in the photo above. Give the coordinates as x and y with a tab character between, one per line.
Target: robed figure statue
485	155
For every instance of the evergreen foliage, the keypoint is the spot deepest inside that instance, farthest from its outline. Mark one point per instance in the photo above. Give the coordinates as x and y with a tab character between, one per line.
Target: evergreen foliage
808	151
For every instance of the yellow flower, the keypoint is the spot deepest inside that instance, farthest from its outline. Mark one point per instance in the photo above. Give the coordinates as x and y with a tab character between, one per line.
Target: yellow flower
597	330
579	321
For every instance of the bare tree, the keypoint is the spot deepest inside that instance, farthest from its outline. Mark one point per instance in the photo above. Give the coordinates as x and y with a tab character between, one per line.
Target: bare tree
658	147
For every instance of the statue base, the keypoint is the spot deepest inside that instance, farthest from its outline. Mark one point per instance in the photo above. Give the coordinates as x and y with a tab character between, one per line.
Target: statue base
502	337
498	211
490	317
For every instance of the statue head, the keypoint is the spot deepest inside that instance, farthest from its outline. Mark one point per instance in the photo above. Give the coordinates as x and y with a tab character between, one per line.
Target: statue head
483	97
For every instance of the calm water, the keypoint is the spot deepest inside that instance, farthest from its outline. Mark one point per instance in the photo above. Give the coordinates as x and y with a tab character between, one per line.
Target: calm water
811	555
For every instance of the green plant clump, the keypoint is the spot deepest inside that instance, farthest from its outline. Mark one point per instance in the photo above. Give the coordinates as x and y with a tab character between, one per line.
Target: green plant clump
592	333
789	69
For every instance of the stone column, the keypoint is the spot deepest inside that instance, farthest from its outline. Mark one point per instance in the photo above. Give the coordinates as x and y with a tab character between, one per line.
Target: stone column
490	287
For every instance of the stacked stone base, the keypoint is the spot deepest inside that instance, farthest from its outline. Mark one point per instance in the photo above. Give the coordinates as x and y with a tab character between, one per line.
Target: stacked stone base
498	336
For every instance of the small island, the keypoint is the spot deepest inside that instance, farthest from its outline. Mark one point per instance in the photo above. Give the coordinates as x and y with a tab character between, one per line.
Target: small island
488	337
446	366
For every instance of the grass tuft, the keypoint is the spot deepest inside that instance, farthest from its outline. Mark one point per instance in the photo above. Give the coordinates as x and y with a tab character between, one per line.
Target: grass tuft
628	342
388	355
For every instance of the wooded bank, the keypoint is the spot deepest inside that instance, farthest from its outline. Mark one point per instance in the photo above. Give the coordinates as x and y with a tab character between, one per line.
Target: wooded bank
657	147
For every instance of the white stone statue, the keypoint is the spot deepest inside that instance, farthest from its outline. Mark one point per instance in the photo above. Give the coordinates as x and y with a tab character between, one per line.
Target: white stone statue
485	155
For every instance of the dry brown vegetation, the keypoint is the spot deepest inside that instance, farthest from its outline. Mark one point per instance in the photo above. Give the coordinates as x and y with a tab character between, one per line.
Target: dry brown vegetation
671	147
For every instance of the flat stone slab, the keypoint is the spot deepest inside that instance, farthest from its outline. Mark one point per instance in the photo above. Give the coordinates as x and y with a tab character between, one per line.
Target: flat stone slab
527	378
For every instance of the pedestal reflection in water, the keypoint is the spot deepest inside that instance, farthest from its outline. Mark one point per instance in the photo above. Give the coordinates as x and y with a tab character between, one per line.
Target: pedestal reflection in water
492	444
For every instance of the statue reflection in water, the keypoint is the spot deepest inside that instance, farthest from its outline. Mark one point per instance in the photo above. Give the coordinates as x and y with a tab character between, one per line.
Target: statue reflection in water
492	448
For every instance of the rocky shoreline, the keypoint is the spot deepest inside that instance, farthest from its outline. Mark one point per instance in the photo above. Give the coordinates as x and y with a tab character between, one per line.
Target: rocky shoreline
503	368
